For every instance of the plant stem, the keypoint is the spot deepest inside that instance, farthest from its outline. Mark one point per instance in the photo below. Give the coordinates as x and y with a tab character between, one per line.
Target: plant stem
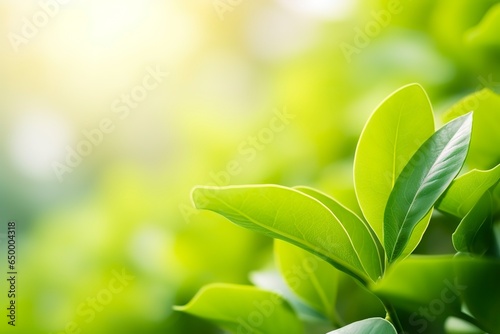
469	319
336	319
392	316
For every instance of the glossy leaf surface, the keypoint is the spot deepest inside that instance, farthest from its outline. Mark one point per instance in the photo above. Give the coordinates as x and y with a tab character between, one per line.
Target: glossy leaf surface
426	176
394	132
293	216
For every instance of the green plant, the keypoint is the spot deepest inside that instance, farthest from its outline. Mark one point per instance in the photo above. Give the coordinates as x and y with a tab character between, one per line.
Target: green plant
403	170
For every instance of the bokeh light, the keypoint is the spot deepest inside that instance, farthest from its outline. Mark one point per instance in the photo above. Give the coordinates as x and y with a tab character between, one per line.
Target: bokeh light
184	90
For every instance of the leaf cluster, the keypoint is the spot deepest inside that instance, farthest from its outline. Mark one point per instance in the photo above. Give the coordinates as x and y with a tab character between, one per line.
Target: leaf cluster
405	173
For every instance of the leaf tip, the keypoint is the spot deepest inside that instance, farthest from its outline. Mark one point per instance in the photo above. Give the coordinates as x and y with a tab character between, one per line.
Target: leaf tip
467	118
466	121
200	195
179	308
415	85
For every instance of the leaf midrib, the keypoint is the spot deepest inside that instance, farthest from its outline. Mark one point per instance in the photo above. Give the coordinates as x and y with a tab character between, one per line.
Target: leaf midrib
424	181
394	151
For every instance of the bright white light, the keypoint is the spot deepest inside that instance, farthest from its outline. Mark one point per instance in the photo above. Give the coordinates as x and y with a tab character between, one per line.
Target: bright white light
323	9
112	18
276	34
37	139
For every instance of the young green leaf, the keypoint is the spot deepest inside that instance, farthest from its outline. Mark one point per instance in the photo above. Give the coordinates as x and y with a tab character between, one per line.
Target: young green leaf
426	176
417	235
363	238
394	132
367	326
309	277
466	190
243	309
484	152
474	233
290	215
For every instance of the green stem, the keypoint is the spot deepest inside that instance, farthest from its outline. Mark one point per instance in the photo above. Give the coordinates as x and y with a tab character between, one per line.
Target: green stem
469	319
392	316
336	320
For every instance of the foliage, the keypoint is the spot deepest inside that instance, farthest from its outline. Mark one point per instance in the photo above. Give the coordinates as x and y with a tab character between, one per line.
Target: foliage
403	169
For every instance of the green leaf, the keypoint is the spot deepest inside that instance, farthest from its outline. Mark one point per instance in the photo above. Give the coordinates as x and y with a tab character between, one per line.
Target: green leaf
426	176
474	233
486	32
309	277
290	215
367	326
394	132
418	281
466	190
483	153
417	235
243	309
363	237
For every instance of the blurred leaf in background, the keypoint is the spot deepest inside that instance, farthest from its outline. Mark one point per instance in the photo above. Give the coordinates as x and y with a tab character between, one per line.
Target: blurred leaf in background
134	102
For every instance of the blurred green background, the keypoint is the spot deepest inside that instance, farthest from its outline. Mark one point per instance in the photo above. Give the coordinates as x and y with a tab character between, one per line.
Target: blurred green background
158	96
